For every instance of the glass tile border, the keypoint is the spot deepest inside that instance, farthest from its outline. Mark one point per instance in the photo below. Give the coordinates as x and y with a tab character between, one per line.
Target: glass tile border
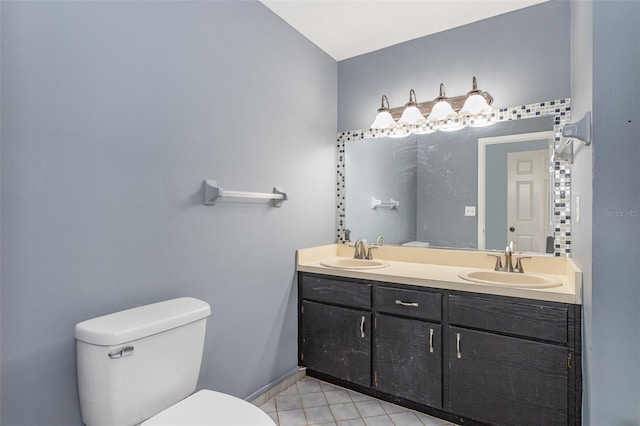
560	110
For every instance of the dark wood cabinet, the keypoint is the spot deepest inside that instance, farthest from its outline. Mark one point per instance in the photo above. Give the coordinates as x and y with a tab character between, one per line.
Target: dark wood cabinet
408	359
506	380
466	357
337	341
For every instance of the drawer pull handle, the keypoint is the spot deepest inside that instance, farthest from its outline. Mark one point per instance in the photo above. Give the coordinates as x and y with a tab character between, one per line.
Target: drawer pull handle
412	304
431	340
459	355
362	327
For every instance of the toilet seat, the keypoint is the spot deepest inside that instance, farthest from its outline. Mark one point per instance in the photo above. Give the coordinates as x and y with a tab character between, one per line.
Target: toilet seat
209	408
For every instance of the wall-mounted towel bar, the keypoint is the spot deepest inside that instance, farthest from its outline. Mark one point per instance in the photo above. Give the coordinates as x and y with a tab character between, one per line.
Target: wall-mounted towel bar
212	192
391	204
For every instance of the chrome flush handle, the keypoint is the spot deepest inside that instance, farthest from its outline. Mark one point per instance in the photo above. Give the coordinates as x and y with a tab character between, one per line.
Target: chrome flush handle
121	353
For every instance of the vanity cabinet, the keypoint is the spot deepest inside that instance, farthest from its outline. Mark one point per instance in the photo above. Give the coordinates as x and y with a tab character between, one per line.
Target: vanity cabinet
407	344
465	357
504	380
509	361
335	335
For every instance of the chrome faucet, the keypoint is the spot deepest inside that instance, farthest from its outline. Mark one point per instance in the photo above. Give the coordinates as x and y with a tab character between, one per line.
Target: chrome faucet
508	264
508	261
360	250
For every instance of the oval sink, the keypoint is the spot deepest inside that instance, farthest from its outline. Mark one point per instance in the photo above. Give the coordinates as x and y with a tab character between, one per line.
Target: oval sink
510	279
351	263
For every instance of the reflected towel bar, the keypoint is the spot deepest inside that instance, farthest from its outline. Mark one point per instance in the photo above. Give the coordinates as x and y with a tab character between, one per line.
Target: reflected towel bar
391	204
212	192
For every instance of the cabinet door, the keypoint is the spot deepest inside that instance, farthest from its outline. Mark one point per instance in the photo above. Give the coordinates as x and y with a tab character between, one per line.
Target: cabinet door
505	380
337	341
408	359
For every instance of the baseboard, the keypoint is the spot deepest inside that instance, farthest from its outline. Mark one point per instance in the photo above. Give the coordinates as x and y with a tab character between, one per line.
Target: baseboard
277	386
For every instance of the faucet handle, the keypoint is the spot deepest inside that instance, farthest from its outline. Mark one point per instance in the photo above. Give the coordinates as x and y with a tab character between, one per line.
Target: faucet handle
519	267
498	266
369	255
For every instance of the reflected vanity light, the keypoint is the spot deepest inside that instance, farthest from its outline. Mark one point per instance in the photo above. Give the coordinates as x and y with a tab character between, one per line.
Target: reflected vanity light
440	113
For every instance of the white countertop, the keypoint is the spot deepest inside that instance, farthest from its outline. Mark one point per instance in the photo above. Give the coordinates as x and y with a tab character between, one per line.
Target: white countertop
439	268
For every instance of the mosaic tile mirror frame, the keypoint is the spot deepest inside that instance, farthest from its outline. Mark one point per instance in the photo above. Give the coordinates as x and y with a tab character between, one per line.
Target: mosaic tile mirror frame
561	112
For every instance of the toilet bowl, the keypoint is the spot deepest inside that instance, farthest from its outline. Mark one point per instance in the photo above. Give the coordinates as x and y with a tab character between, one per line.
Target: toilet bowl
141	366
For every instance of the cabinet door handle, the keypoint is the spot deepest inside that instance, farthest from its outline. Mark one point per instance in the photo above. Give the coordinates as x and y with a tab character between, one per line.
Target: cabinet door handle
459	355
413	304
431	340
362	327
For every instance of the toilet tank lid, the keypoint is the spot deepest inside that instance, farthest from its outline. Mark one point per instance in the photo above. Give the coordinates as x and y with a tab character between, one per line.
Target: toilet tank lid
142	321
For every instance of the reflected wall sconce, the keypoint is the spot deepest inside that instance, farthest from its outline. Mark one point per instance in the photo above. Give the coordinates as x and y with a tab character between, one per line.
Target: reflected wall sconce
475	110
580	130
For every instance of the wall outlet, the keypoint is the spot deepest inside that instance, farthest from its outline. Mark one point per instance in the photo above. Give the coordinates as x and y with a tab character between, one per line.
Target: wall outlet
470	210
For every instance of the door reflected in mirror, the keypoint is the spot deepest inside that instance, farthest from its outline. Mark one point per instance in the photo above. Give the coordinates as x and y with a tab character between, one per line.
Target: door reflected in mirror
514	192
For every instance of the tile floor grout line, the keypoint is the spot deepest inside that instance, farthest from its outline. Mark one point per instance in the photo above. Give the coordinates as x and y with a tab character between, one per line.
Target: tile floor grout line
324	387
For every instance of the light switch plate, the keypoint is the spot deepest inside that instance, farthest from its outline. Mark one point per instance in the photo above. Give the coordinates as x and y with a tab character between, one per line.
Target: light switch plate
470	210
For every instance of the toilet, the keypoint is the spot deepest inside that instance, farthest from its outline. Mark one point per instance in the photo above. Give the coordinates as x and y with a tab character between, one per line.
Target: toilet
141	366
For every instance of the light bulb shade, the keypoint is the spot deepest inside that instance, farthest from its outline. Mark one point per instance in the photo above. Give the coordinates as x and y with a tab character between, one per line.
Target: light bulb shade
476	105
384	120
411	115
442	111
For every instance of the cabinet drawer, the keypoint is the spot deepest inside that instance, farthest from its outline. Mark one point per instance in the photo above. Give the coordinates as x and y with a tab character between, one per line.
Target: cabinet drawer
321	289
518	318
409	303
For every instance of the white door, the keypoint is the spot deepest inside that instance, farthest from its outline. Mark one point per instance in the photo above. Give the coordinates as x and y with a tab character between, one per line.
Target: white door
528	199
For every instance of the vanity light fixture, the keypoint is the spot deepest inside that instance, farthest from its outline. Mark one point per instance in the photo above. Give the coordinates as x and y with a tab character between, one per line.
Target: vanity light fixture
384	120
477	106
411	114
442	110
441	113
476	103
444	114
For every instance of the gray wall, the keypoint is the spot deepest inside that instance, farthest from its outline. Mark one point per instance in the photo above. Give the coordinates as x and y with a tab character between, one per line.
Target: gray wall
614	347
582	179
112	115
521	57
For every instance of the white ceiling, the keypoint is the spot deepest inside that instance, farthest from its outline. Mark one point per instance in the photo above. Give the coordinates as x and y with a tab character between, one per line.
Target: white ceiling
348	28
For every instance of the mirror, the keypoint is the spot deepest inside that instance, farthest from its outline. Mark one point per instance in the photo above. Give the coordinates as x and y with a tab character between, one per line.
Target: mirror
422	190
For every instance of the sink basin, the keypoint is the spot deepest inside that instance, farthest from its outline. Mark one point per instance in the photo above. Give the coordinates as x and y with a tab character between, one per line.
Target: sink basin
351	263
510	279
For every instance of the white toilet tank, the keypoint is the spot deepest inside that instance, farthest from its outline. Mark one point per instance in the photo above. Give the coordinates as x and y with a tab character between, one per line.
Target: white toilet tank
135	363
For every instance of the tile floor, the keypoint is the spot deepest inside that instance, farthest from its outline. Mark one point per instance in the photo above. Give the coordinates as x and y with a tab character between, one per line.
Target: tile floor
313	402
